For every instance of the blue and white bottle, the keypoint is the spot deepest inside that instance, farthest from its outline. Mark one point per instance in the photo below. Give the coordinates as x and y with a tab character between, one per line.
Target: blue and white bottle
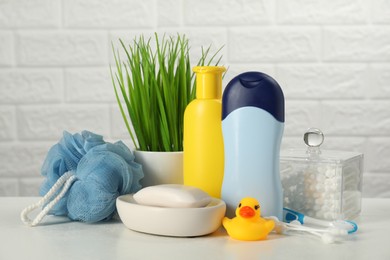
252	126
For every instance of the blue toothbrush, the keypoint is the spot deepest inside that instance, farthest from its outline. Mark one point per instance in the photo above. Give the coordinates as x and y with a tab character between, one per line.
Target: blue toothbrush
291	215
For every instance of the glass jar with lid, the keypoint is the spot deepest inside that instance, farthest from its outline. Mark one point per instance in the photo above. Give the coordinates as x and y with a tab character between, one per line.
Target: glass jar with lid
319	183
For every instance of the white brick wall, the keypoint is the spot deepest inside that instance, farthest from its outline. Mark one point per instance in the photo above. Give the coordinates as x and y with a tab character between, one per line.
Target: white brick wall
332	59
61	48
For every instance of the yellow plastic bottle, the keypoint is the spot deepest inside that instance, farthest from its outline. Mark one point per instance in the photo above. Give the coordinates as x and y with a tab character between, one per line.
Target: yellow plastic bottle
203	142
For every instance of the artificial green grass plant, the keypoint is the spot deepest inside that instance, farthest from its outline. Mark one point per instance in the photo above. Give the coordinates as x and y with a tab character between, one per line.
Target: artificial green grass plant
156	86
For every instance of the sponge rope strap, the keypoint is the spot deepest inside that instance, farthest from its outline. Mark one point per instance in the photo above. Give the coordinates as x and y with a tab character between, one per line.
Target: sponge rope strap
65	181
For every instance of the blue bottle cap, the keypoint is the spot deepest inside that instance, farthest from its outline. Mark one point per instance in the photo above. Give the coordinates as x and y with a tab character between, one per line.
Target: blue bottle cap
254	89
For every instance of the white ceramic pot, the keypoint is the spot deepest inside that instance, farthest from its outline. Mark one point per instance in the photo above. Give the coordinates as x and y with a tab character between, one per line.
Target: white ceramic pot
160	167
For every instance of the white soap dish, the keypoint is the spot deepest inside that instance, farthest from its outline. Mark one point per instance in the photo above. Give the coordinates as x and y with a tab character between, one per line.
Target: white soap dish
178	222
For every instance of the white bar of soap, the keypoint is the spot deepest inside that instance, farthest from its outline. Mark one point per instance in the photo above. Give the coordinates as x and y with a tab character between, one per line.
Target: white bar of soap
172	196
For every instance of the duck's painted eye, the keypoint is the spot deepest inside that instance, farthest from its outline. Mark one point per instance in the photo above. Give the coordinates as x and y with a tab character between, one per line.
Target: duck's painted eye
239	205
257	207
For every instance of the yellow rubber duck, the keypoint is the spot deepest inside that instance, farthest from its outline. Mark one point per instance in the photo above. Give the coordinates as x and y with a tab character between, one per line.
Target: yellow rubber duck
248	225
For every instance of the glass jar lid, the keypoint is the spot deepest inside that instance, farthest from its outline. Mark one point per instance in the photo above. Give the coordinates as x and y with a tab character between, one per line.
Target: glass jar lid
314	138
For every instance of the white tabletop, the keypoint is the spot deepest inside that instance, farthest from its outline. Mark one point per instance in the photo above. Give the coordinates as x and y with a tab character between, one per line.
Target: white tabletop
61	239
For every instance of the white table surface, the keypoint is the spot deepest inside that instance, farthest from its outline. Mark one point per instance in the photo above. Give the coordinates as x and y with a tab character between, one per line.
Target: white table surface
61	239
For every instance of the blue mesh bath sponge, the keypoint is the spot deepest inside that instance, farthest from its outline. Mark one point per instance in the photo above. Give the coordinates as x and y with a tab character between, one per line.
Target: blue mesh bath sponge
101	172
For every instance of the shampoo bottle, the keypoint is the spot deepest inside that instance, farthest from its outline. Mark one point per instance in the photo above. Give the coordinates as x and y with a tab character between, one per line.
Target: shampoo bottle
203	144
252	125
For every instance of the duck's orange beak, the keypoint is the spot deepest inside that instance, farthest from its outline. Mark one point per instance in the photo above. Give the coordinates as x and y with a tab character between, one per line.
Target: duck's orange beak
247	212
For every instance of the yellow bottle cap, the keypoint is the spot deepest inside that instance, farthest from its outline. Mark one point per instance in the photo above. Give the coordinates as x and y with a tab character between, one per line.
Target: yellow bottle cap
209	81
